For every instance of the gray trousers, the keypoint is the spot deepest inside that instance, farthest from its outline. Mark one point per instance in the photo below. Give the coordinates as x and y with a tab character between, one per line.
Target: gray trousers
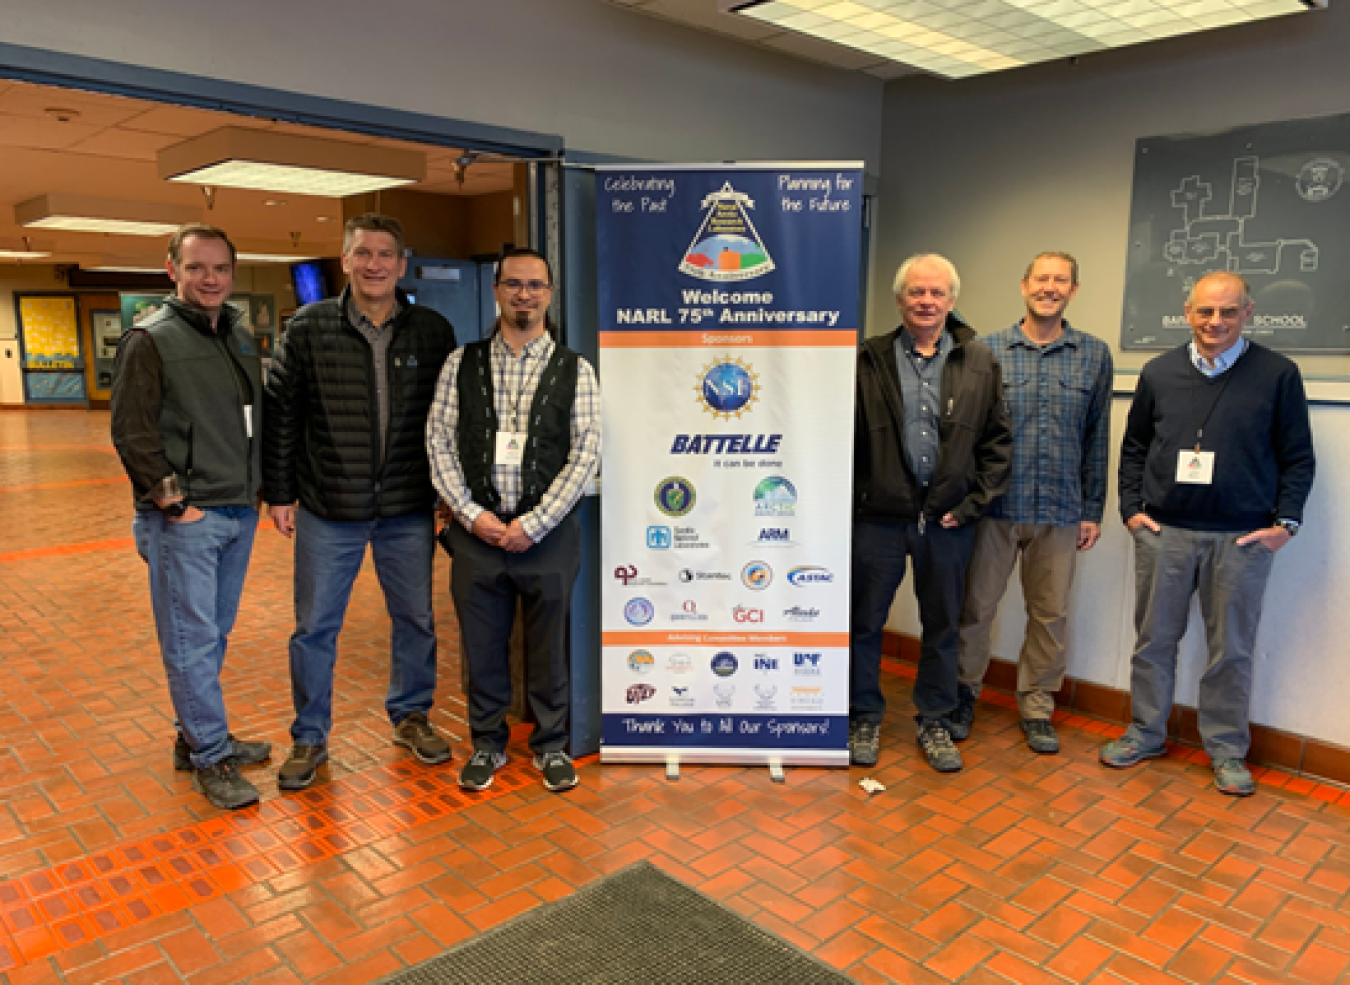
1170	567
1048	556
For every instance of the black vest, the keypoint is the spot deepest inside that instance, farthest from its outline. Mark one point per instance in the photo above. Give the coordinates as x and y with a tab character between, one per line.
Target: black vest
548	427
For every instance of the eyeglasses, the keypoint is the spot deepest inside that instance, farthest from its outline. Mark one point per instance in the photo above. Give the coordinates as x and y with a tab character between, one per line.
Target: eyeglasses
1227	314
517	286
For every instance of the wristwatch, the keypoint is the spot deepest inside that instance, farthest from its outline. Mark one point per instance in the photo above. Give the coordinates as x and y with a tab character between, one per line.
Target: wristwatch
1289	526
175	510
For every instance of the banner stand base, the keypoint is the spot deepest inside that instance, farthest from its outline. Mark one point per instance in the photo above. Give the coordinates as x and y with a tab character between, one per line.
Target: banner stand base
673	767
776	773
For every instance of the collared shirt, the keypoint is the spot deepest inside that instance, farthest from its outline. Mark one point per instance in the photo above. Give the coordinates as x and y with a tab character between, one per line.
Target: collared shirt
514	381
1059	401
378	336
1220	363
921	397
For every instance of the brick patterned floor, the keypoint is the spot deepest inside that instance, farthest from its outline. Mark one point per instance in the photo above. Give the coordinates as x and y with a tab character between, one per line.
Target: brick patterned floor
1020	869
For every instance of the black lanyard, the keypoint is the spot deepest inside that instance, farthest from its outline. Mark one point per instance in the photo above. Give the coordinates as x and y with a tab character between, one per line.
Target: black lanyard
520	390
1227	378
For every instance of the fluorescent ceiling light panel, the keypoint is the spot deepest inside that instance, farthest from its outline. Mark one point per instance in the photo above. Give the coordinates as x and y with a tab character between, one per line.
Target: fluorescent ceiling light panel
22	255
236	157
122	269
80	213
974	36
272	258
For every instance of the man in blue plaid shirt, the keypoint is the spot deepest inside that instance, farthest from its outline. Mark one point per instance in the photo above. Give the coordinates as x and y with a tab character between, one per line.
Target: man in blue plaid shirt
1057	384
513	437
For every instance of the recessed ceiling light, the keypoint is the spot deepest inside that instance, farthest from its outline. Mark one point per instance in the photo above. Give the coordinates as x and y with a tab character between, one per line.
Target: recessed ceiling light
275	201
79	213
120	269
958	39
323	218
237	157
22	255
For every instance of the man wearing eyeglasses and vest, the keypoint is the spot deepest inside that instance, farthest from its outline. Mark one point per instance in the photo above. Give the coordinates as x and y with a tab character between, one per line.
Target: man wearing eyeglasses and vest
1215	467
513	437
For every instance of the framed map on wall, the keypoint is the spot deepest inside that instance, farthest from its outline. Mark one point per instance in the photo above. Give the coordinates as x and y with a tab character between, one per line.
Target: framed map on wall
1270	202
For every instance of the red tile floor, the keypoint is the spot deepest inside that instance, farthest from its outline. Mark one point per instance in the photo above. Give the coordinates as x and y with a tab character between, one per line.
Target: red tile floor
1020	869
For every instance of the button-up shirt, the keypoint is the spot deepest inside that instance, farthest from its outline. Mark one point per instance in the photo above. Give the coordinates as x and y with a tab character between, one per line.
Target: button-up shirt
921	397
514	381
1221	363
378	336
1059	401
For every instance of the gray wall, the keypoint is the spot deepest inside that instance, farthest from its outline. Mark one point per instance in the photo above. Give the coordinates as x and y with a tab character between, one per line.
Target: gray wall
993	170
605	79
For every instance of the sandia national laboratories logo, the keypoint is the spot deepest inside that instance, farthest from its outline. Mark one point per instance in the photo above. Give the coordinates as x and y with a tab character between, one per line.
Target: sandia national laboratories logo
727	247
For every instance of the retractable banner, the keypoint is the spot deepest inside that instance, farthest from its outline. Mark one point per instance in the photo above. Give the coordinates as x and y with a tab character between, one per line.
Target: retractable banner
728	329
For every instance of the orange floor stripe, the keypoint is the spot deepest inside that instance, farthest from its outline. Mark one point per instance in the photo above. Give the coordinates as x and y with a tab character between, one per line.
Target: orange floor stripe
59	550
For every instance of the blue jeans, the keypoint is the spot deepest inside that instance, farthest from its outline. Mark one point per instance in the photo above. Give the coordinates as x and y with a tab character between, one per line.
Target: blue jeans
940	558
328	557
196	578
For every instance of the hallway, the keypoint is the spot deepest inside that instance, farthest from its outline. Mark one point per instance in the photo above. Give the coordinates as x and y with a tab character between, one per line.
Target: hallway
1020	869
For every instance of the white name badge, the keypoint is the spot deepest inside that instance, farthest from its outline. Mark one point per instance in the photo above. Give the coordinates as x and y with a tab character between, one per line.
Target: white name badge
1195	467
510	448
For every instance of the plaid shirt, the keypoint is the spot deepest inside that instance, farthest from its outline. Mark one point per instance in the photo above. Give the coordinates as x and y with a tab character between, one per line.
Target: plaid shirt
515	378
1059	401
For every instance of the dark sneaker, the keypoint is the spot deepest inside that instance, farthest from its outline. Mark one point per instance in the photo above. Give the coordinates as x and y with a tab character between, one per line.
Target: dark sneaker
300	766
1040	735
559	773
224	786
936	744
477	772
417	734
1231	776
960	721
864	743
243	753
1127	751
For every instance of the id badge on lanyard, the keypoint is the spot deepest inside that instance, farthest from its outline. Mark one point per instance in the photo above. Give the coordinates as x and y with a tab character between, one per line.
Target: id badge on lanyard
510	448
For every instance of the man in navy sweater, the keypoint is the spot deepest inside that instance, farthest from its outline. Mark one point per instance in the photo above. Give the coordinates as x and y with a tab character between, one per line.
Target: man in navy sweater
1215	467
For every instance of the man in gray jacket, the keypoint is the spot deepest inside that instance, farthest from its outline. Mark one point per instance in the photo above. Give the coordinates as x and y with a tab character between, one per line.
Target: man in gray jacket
185	400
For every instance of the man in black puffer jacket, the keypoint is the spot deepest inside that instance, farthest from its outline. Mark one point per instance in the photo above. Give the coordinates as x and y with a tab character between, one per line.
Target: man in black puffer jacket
344	438
932	450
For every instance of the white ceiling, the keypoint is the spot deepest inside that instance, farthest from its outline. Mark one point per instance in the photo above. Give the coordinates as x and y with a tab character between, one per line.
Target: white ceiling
63	140
705	15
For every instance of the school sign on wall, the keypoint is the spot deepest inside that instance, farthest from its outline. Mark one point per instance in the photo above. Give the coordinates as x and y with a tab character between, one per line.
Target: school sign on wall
729	316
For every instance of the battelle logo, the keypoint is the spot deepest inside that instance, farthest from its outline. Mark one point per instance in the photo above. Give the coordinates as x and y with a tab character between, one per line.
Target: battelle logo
757	576
727	246
743	615
727	388
675	496
810	574
639	612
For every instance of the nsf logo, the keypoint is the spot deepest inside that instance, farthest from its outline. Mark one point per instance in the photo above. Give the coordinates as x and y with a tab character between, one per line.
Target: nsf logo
639	612
675	496
728	388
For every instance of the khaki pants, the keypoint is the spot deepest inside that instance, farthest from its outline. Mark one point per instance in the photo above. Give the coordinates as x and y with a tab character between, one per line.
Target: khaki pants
1048	554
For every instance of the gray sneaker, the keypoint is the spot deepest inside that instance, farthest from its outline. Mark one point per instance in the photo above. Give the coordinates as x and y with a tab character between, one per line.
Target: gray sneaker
242	752
301	766
223	786
1040	735
477	772
937	745
1232	777
1127	751
418	735
960	721
864	743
